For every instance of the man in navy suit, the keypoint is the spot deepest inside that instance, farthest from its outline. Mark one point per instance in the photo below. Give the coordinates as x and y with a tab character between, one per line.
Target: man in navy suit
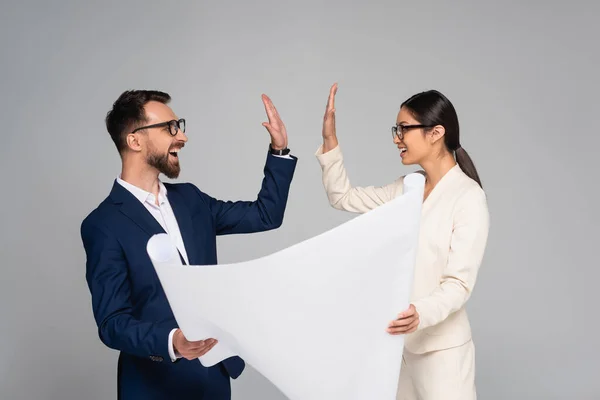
133	315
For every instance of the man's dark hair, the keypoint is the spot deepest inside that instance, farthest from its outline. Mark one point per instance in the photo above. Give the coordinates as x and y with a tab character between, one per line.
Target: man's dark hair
128	112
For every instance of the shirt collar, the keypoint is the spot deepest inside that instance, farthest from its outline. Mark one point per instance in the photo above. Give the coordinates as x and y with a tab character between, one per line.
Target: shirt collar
142	195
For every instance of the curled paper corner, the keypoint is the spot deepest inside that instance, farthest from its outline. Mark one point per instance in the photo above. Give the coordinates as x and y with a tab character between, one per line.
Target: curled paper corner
161	248
414	181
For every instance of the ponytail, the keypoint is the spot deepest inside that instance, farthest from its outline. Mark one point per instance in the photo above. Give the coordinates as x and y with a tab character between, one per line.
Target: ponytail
466	164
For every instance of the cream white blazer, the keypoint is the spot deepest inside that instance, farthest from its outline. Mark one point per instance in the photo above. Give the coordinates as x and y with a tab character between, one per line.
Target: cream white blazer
452	240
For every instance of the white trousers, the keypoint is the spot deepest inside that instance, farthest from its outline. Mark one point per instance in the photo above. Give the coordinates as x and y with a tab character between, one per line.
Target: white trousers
439	375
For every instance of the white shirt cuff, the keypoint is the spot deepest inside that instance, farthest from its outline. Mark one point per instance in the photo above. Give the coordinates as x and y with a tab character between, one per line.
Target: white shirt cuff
172	354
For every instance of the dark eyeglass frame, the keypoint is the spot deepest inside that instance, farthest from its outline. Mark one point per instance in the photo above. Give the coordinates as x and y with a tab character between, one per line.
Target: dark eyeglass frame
174	126
400	130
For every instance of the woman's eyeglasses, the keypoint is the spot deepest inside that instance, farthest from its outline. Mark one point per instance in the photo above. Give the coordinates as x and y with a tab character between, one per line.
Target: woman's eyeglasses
400	130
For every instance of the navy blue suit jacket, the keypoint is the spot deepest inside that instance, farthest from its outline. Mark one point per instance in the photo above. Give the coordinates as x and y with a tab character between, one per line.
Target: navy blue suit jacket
129	305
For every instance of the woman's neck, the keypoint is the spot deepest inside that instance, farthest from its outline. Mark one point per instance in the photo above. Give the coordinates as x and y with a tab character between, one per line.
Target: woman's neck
436	168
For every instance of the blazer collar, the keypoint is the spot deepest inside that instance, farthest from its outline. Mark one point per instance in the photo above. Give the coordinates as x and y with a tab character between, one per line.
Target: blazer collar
133	208
440	187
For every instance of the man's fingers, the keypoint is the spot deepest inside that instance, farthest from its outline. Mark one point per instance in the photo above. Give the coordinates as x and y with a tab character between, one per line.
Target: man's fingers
272	112
209	342
275	126
205	341
275	112
196	346
272	131
205	349
268	107
210	346
200	350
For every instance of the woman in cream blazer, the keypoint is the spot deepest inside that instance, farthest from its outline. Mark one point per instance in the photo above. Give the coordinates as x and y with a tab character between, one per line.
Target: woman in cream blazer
439	359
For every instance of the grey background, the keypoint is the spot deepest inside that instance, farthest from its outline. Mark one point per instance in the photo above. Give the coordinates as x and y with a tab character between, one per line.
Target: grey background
523	78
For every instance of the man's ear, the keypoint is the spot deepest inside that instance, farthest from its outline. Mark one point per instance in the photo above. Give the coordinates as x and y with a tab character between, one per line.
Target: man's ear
134	142
437	133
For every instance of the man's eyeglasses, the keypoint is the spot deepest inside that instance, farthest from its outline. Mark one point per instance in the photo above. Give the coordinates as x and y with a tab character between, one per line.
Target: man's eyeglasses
174	125
400	130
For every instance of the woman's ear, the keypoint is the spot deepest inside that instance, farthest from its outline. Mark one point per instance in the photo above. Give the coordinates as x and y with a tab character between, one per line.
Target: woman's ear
437	133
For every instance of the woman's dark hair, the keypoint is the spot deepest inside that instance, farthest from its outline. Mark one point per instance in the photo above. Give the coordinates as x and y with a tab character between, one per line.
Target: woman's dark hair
433	108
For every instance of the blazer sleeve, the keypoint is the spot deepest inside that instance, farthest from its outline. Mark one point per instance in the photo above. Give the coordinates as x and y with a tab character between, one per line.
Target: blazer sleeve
108	281
342	195
263	214
467	247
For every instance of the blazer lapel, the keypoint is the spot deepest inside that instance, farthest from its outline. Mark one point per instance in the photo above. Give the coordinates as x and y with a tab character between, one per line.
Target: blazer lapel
132	208
184	220
440	188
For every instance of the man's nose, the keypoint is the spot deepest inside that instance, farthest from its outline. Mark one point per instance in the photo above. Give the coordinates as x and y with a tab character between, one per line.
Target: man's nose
181	136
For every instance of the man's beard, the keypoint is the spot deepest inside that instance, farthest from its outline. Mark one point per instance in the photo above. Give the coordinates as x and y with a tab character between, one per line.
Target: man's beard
162	164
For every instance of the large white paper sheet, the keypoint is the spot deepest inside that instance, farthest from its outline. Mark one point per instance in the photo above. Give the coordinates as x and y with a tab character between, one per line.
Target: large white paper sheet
311	318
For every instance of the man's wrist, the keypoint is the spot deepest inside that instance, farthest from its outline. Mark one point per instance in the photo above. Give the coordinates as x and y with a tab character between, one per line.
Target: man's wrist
278	151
